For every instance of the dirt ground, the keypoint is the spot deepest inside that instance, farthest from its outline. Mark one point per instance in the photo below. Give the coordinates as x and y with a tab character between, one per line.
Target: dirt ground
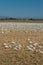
23	56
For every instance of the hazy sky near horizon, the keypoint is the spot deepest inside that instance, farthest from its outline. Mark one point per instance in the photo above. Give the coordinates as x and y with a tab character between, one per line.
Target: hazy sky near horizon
21	8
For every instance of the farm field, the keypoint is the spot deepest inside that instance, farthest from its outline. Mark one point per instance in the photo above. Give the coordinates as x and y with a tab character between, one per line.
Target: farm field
23	21
21	43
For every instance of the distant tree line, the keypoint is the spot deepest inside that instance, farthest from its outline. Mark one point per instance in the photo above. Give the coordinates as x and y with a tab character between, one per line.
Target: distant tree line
10	18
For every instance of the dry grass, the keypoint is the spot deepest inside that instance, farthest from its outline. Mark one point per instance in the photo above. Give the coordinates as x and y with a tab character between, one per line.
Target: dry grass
23	21
22	56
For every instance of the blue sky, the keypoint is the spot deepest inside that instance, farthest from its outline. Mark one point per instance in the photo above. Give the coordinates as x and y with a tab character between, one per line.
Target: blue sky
21	8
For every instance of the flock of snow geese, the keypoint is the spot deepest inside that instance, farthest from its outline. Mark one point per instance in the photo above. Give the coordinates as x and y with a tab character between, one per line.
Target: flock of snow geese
34	47
20	26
